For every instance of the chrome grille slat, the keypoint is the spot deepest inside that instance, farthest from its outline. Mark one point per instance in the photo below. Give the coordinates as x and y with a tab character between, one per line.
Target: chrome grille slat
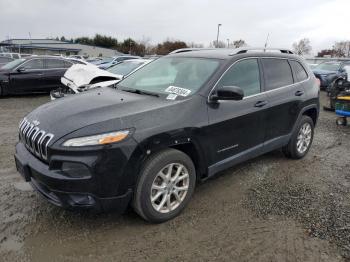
35	139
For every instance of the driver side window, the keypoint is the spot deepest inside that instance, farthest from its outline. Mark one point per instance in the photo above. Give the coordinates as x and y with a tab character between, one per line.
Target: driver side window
244	74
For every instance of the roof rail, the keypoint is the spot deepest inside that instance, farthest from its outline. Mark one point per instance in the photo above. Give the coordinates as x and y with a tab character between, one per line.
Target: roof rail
242	50
183	50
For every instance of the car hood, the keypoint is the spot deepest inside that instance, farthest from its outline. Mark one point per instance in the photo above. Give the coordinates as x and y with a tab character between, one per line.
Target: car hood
323	72
103	110
4	71
81	75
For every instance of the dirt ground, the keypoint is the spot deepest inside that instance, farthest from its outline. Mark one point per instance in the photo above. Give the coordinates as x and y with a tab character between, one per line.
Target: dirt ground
267	209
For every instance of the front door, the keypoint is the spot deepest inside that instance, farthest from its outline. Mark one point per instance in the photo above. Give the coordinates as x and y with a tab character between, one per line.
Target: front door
236	128
27	77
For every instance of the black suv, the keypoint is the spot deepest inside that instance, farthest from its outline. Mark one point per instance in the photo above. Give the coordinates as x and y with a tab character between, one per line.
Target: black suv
178	120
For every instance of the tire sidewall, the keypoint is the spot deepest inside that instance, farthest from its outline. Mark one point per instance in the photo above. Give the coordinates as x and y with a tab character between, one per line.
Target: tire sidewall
150	172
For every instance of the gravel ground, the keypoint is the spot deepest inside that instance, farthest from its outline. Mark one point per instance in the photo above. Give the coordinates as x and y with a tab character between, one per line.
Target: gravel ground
267	209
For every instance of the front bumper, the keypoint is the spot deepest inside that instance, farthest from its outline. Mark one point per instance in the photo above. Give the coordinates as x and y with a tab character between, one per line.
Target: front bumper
67	192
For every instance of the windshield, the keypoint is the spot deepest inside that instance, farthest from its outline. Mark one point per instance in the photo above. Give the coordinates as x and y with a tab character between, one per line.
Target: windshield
179	75
328	66
13	64
124	68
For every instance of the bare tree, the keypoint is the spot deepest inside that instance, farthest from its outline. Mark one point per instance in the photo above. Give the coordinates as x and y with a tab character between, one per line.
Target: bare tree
303	47
220	44
239	43
342	49
195	45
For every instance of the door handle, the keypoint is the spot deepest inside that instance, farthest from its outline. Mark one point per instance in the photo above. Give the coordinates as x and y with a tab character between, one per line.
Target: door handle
299	93
261	103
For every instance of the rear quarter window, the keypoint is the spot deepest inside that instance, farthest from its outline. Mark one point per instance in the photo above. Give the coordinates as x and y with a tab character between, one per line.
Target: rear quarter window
277	73
299	71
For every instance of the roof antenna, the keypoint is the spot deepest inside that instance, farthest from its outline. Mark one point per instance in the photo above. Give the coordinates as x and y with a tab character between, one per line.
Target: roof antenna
267	39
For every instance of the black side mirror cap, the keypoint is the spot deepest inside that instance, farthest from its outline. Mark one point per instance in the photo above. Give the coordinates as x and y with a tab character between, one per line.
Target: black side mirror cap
20	69
228	93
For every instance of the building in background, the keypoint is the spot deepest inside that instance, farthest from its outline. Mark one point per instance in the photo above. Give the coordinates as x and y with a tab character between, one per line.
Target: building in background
54	47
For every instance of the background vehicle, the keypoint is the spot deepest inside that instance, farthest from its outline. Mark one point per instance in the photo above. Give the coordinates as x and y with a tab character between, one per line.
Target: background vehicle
329	71
180	119
32	74
116	60
4	60
78	61
80	57
93	60
126	67
80	79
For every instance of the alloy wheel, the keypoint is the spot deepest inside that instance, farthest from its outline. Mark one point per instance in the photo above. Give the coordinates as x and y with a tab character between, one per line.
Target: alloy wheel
304	138
169	188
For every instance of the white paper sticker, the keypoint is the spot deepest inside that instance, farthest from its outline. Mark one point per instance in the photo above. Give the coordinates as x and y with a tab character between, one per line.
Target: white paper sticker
178	90
171	97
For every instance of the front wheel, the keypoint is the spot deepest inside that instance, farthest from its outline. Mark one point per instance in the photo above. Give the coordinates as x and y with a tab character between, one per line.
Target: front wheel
165	186
301	139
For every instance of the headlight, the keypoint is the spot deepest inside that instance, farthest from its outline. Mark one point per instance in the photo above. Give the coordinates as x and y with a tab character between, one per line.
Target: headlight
101	139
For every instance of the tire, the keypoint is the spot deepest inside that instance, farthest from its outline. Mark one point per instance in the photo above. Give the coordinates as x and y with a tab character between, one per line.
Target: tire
292	150
341	121
1	91
151	180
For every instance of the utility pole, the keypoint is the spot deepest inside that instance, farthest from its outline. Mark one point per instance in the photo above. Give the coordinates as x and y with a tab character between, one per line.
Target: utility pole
217	36
267	39
228	43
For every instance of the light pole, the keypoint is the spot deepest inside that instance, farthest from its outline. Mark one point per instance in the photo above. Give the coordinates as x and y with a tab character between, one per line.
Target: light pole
228	43
217	36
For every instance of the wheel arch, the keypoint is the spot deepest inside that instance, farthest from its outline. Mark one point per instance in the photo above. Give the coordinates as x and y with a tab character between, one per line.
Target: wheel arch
310	110
183	140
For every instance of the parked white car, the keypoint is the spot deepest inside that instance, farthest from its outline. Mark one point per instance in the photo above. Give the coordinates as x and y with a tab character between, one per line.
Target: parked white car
80	78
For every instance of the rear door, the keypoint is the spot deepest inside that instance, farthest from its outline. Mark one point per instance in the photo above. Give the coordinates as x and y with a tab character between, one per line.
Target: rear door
236	128
285	95
55	69
29	78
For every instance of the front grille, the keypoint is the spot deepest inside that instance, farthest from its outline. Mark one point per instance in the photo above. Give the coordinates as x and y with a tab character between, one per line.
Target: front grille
35	139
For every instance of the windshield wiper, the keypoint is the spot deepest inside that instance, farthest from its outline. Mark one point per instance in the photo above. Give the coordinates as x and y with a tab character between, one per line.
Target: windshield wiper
140	92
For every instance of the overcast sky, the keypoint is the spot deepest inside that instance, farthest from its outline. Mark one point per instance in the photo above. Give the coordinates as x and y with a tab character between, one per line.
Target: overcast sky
322	21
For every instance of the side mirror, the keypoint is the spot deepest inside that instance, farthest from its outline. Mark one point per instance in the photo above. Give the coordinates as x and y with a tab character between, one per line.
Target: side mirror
228	93
21	69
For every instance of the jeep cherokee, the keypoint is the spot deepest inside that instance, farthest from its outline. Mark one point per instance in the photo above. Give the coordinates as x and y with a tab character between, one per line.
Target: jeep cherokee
180	119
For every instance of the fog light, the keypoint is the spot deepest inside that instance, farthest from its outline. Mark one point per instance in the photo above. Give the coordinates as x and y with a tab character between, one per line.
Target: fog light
75	170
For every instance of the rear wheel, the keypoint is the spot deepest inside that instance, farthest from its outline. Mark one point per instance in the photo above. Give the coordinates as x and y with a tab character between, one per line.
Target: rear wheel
165	186
1	91
301	139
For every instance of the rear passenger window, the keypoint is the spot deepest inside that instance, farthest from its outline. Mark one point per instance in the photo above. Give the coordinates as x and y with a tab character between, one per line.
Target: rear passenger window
277	73
245	74
55	63
298	70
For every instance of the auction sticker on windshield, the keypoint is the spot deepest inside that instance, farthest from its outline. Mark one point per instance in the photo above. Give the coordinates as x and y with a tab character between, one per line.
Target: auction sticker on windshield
178	90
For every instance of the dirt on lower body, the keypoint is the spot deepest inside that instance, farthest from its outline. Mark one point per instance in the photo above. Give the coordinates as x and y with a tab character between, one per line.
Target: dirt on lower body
267	209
